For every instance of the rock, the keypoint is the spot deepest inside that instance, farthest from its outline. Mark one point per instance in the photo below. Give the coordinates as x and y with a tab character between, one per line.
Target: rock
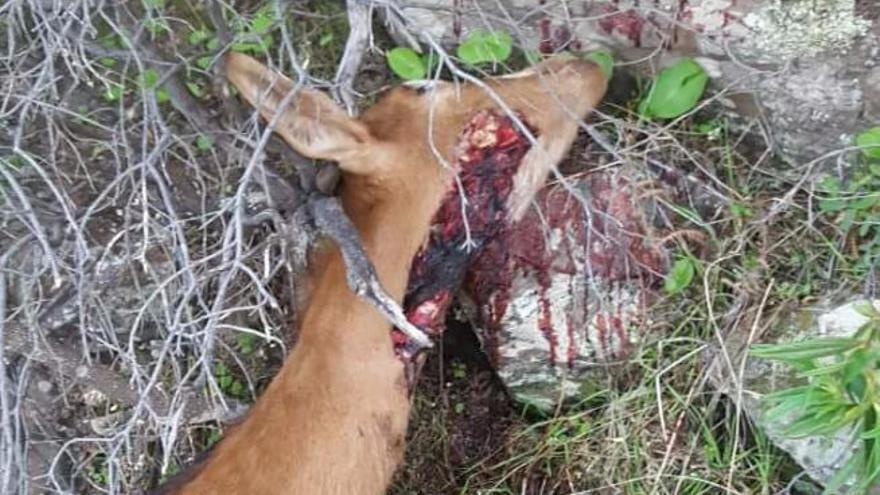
811	68
566	290
820	457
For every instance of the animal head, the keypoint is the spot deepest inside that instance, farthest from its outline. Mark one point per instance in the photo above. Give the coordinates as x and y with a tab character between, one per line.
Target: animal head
405	148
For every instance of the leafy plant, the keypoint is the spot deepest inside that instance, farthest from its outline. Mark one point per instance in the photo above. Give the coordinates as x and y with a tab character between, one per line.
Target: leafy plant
198	37
842	392
253	36
406	63
459	370
97	470
855	204
149	79
245	342
675	91
478	48
228	383
195	89
481	46
680	276
204	143
113	92
605	62
871	139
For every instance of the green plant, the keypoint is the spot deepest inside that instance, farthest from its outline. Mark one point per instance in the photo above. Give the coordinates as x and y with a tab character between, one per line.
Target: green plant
675	91
113	92
680	275
228	383
459	370
245	342
149	81
855	205
97	470
478	48
204	143
485	46
406	63
870	141
842	392
605	62
253	35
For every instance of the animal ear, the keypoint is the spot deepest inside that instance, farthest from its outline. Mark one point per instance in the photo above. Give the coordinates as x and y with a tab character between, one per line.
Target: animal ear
311	123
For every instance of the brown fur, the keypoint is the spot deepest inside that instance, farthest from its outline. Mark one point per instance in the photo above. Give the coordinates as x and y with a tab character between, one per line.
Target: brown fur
334	419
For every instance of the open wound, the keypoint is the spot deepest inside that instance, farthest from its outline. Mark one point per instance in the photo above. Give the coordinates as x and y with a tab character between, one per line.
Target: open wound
489	152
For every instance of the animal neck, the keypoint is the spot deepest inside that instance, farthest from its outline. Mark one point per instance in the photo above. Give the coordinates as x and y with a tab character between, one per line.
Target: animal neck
334	419
391	234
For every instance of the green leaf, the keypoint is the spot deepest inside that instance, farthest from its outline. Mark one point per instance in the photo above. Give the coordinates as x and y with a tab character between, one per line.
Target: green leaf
245	340
823	423
162	95
605	62
788	393
262	21
236	388
213	44
676	90
866	309
107	61
807	349
195	89
740	210
204	62
406	63
113	93
680	276
157	26
149	79
688	214
865	202
480	47
829	183
111	41
855	364
154	4
870	140
832	205
204	143
824	370
326	39
785	407
198	36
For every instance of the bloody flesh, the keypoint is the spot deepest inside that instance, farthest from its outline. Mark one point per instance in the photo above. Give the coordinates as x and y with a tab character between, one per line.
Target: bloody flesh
489	151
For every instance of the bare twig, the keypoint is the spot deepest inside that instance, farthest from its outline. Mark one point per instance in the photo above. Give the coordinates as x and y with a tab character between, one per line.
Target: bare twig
360	274
360	14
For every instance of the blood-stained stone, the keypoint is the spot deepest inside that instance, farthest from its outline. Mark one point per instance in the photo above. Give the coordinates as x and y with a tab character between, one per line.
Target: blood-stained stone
568	287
